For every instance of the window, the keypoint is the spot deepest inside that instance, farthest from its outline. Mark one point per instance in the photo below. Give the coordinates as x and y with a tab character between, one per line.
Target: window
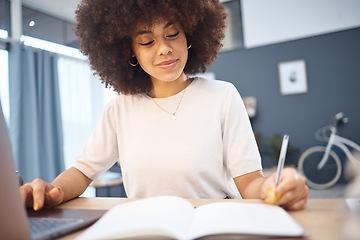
49	28
4	84
82	98
4	15
234	32
4	60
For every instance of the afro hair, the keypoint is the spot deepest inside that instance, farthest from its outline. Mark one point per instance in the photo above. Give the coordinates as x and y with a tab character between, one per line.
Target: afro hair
105	27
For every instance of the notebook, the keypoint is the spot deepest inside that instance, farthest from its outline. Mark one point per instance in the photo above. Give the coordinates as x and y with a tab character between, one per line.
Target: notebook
17	222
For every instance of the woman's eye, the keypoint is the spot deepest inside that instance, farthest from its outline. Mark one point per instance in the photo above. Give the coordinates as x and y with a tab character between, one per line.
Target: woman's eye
173	35
147	43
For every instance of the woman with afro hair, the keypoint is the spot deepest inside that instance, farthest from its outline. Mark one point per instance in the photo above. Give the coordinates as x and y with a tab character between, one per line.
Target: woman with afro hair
172	134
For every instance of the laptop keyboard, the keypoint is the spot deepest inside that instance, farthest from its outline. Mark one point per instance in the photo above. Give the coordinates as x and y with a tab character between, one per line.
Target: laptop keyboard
46	228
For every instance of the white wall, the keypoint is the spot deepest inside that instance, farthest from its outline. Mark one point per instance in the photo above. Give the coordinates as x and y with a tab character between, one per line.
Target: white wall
63	9
273	21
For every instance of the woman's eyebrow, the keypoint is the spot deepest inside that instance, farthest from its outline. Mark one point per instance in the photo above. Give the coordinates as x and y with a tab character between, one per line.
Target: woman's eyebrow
168	25
142	32
148	31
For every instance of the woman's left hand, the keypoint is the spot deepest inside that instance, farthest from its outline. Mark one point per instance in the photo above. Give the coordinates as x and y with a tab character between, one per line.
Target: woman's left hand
291	193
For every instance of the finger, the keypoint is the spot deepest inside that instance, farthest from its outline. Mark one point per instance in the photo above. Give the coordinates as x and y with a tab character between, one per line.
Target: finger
268	187
298	205
295	195
274	193
272	197
26	194
292	189
39	190
54	197
291	181
287	199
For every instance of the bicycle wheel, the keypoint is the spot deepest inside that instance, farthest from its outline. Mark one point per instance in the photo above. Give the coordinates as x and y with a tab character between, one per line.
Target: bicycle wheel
325	177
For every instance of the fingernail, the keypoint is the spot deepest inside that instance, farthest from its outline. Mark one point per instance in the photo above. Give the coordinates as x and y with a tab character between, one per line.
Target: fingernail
36	206
272	197
59	188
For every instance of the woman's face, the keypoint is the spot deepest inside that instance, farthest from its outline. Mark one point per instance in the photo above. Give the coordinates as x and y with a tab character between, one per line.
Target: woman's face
161	50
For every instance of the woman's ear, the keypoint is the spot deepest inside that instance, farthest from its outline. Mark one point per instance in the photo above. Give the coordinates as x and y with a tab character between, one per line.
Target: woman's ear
133	61
188	41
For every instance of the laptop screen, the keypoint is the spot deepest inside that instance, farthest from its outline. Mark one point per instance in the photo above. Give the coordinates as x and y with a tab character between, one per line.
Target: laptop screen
13	217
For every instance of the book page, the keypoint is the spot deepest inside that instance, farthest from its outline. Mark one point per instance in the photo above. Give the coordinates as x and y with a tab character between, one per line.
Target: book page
158	216
245	219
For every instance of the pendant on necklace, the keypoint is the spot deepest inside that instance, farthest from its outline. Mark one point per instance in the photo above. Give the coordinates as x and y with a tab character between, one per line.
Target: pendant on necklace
174	117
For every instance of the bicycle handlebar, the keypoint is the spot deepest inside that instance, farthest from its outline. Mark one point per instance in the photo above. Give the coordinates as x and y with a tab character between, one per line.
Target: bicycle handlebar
323	134
339	119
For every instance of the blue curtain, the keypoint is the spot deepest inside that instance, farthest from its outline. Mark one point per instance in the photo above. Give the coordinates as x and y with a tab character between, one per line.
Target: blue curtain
35	114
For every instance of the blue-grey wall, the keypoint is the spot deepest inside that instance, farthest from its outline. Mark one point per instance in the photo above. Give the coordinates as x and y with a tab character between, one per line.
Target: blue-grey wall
333	75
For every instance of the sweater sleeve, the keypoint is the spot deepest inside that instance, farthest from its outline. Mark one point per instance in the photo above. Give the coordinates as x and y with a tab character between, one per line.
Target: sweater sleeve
241	153
100	151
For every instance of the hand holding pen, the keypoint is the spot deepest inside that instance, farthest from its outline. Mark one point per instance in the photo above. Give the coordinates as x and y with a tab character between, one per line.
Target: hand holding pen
273	197
288	188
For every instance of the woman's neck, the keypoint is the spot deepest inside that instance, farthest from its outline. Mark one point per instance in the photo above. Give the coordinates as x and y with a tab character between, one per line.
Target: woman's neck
163	89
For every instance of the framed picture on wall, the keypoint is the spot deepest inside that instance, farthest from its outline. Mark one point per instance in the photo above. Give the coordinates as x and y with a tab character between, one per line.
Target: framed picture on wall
292	76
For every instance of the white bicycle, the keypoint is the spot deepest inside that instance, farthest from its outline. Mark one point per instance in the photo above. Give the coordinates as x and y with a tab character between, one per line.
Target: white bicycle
322	165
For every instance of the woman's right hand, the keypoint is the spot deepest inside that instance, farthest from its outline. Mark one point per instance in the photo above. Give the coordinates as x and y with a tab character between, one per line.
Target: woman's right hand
39	194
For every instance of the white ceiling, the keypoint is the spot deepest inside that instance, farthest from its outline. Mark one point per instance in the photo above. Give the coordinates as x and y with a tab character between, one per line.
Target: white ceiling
60	8
328	16
64	9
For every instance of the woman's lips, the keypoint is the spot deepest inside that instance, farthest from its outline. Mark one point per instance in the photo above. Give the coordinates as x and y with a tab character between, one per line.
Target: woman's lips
166	65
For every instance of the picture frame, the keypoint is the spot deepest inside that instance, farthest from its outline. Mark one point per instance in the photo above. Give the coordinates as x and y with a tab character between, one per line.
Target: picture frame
250	105
292	77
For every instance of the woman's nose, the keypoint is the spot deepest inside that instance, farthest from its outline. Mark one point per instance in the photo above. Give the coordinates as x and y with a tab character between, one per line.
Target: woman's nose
164	47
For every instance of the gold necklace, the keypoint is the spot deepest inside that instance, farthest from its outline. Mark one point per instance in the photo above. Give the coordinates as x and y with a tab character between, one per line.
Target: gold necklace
173	115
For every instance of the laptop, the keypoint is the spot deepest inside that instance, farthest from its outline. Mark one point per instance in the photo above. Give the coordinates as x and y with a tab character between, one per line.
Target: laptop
17	222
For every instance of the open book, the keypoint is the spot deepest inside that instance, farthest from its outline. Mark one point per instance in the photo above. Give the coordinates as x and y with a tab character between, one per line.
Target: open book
176	218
